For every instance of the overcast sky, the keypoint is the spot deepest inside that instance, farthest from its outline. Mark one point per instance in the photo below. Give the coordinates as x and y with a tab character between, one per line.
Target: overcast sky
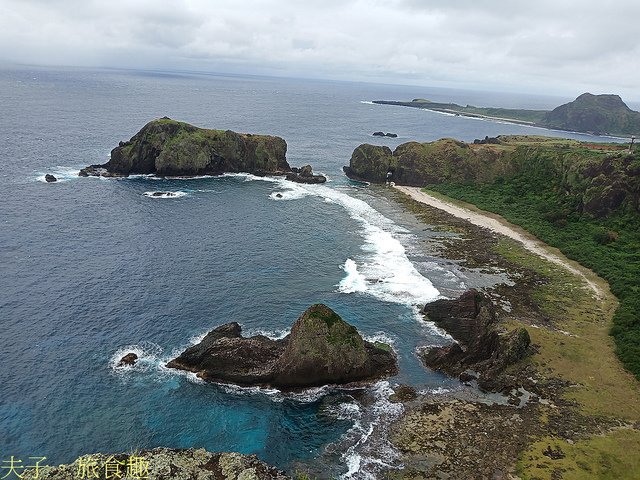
544	46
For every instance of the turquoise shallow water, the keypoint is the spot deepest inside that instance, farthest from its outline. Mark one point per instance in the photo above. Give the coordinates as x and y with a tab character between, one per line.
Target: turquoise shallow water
92	268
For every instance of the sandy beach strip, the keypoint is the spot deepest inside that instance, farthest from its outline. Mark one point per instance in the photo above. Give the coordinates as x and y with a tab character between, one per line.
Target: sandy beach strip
499	225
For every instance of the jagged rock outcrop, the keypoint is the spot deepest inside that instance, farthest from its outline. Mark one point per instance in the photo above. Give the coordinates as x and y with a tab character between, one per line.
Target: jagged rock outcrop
321	349
50	178
162	464
305	175
172	148
480	344
383	134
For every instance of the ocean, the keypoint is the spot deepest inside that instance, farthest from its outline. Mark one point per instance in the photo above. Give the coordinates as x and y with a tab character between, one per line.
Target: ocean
94	268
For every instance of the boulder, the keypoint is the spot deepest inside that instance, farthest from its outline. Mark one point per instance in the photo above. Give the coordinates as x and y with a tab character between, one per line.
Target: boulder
128	360
321	349
50	178
382	134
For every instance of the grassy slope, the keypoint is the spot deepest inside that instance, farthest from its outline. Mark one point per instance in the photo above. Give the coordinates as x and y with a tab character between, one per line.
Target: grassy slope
610	246
580	351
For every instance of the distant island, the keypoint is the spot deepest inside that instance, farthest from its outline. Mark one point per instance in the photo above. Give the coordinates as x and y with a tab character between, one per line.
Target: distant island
595	114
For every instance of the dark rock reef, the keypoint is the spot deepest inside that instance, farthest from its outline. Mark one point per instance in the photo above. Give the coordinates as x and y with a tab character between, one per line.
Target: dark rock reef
321	349
164	464
482	351
50	178
305	175
171	148
128	360
382	134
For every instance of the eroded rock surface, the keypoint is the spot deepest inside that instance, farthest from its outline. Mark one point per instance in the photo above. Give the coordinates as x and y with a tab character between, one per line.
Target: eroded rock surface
321	349
482	350
164	464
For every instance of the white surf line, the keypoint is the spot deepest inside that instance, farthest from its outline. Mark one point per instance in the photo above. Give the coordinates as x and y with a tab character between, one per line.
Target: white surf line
499	225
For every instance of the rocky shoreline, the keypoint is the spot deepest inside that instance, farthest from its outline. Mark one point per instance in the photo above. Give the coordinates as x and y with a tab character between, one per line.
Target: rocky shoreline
540	429
161	464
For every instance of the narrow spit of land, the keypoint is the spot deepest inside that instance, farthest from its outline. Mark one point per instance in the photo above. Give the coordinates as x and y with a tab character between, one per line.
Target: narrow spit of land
499	225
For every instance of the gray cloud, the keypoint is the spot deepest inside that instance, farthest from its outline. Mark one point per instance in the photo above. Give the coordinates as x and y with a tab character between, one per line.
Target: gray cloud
549	46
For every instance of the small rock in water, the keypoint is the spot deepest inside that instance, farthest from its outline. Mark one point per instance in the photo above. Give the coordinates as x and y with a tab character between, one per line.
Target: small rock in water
128	360
278	195
50	178
163	194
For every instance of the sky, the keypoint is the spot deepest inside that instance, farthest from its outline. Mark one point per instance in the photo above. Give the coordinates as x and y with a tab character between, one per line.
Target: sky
558	47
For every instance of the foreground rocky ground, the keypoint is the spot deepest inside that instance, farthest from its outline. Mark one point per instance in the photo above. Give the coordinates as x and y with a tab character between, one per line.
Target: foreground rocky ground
162	464
576	413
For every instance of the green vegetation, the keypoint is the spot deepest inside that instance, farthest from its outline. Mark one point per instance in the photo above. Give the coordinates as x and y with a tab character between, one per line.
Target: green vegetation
169	147
595	113
383	346
339	331
564	196
604	457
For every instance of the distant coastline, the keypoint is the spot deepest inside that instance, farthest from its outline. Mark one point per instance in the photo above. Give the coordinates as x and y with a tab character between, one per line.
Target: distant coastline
592	114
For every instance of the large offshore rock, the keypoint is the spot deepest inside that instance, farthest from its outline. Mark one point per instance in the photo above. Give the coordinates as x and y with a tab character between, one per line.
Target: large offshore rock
169	147
321	349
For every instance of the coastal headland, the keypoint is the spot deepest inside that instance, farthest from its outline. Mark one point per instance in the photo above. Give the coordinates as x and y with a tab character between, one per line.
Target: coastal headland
588	113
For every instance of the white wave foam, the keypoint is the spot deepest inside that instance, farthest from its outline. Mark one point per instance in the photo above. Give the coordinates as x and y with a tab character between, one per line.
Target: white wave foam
367	102
366	448
274	334
147	353
431	327
437	390
153	194
353	281
62	174
384	271
381	337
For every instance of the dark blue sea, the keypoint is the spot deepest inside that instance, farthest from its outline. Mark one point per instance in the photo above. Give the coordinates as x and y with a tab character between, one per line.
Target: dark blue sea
92	268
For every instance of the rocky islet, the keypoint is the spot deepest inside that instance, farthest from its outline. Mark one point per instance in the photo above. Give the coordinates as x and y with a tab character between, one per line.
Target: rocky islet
321	349
167	147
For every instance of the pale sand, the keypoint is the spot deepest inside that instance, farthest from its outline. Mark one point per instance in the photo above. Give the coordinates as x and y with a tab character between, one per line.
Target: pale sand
499	225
